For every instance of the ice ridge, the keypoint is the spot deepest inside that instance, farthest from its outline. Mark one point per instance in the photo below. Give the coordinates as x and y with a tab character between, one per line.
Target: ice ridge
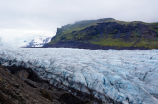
128	77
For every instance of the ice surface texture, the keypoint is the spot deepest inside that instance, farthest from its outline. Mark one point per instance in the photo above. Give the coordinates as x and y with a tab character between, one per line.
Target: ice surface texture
127	76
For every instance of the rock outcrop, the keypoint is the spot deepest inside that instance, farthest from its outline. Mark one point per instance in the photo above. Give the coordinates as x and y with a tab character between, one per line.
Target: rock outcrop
17	88
81	45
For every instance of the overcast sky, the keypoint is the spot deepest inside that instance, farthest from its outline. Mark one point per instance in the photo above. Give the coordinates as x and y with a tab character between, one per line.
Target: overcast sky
24	19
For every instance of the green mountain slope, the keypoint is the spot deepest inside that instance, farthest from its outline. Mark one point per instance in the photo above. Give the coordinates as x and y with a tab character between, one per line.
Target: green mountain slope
109	32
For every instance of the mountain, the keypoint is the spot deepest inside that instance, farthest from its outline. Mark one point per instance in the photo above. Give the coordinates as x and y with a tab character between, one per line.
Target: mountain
39	41
106	33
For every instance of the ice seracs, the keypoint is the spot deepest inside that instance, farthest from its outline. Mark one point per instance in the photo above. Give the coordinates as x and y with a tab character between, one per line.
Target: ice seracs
125	76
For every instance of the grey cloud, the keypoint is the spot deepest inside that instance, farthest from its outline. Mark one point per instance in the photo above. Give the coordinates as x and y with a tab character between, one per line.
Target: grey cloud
47	15
50	12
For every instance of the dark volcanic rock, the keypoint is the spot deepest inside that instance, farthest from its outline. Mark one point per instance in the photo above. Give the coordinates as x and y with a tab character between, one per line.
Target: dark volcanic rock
76	44
17	89
24	73
68	98
81	45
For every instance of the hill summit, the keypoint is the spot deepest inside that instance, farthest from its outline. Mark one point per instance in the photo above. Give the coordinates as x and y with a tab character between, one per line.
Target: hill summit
106	33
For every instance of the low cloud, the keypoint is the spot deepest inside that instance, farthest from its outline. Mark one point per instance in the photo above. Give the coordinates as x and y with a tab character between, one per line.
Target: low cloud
25	18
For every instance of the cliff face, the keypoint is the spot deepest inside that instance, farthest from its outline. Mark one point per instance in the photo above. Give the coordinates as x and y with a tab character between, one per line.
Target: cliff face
108	33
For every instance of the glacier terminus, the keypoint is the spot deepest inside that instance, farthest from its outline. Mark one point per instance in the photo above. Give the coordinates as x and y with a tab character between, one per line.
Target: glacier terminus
125	76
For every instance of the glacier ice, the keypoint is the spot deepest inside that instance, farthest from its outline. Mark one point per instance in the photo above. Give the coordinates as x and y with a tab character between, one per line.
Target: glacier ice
126	76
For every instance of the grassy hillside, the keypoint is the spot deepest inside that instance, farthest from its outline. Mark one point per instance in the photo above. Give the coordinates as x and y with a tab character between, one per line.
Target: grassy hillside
110	32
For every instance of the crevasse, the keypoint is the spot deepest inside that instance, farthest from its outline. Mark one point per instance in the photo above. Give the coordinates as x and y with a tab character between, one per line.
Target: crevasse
126	76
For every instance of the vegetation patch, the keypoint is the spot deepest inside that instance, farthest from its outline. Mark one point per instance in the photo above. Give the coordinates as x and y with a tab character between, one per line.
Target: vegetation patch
110	32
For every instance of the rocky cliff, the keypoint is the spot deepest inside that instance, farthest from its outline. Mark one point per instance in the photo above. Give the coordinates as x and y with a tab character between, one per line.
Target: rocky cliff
107	34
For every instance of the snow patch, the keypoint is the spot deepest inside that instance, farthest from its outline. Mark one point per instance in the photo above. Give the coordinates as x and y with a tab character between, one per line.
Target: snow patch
39	41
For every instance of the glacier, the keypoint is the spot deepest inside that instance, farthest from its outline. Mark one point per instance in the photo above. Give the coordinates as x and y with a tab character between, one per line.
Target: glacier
126	76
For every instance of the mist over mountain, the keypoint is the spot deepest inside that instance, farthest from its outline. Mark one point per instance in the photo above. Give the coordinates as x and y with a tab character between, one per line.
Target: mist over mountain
106	33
